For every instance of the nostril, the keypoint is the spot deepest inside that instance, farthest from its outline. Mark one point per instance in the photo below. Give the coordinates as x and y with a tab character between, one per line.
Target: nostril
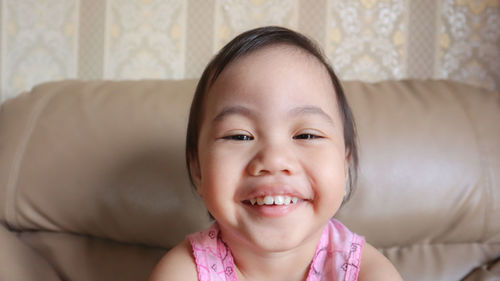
256	169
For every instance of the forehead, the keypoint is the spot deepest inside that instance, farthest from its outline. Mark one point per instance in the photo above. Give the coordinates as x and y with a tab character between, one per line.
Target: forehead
271	75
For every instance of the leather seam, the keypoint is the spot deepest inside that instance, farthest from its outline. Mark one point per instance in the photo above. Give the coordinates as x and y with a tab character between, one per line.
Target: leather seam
11	189
423	245
485	178
51	267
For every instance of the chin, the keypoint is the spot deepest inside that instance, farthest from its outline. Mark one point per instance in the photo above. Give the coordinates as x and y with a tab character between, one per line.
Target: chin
280	239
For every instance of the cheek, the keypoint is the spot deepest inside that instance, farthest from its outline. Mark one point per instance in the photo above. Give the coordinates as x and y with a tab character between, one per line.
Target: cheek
327	161
219	183
219	168
332	183
328	176
331	194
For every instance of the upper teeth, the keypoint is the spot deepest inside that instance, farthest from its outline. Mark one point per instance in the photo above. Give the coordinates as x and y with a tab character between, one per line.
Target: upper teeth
274	200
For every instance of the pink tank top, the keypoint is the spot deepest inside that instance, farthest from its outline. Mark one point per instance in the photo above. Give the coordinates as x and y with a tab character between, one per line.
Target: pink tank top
337	258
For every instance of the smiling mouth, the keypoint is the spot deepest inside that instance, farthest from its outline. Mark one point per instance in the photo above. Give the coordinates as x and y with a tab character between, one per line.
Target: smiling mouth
276	200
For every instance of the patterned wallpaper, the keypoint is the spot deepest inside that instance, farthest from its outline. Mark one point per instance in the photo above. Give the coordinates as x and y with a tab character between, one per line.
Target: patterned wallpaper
371	40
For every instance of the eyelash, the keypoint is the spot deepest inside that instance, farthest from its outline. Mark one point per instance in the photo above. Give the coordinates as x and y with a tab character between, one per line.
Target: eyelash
249	138
307	137
239	138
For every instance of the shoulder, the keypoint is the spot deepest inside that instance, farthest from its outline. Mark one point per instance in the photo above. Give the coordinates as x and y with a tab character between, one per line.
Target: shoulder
375	266
177	264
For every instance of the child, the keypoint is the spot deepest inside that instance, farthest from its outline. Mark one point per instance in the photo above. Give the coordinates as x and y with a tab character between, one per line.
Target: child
270	146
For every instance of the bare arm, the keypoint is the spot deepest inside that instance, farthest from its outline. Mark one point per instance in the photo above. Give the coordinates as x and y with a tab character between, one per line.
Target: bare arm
177	264
375	266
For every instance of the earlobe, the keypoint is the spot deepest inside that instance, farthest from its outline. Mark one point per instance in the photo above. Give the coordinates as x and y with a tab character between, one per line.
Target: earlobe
347	164
194	166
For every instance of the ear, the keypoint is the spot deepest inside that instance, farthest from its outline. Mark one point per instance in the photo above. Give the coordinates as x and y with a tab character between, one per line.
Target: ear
347	163
194	166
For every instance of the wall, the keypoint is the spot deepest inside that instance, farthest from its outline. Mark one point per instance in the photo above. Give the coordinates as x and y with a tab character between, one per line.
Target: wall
371	40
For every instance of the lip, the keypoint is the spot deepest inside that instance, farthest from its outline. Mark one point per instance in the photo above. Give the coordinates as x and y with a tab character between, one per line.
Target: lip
273	211
273	190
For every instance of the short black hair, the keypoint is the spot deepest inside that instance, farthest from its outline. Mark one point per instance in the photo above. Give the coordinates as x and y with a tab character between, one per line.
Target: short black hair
251	41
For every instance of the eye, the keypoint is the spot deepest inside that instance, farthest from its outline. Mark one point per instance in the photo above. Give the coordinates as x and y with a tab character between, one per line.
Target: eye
238	138
307	137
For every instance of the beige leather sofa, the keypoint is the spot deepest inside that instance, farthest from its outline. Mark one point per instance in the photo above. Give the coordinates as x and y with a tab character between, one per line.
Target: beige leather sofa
93	184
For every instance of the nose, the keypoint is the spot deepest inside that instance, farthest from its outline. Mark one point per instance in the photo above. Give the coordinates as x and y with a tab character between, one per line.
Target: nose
272	159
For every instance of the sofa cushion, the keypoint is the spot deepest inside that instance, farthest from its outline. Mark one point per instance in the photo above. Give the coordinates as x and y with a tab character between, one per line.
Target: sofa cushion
487	272
441	261
22	263
84	258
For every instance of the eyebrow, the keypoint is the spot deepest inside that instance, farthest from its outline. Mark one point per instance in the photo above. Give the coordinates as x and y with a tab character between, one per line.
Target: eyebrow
310	109
230	110
301	110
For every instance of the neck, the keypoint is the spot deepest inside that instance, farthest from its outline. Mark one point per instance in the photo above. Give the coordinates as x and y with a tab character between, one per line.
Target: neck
257	264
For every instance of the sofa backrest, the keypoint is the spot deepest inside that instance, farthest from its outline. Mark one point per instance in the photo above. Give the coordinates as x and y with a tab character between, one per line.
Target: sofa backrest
106	159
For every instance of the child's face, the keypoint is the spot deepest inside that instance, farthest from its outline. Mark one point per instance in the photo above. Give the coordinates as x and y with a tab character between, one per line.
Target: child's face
271	127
